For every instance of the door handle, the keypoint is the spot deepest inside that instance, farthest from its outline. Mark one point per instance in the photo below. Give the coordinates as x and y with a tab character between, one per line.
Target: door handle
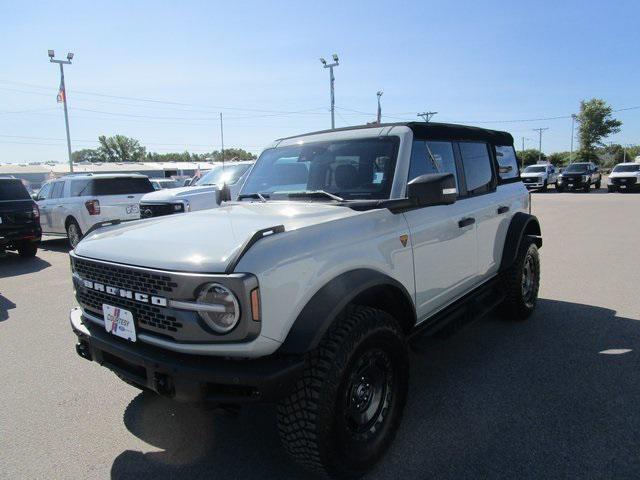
465	222
502	210
60	206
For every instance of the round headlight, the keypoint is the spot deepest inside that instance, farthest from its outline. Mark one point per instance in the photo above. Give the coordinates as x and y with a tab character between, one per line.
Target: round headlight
220	307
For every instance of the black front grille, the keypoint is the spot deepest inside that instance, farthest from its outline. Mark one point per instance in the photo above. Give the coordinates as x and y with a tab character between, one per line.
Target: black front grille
624	181
146	316
120	277
528	180
156	210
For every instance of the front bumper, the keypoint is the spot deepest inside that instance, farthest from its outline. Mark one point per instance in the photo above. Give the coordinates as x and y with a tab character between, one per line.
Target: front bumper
188	378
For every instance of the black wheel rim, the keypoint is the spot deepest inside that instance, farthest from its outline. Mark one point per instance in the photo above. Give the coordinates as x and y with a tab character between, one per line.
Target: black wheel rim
529	280
368	392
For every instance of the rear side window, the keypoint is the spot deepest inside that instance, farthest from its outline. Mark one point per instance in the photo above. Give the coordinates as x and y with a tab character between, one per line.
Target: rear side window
119	186
79	188
431	157
13	190
508	162
477	166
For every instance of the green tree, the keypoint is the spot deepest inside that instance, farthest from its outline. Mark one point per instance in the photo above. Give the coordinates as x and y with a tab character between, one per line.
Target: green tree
559	158
595	123
86	155
231	154
530	156
121	149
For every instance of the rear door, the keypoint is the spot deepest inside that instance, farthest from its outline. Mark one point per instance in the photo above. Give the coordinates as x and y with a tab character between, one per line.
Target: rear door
119	197
16	207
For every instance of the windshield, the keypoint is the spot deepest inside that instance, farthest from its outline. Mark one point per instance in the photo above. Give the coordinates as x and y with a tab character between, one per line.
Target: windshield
535	169
627	168
576	168
350	169
227	174
13	190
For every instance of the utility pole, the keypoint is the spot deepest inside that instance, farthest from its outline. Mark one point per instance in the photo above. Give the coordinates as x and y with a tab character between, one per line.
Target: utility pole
222	139
540	130
62	96
426	116
523	139
573	121
332	80
379	94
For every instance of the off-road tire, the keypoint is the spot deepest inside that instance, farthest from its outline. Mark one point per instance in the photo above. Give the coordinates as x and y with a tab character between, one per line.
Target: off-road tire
560	189
520	303
28	249
587	188
611	188
598	184
74	234
314	420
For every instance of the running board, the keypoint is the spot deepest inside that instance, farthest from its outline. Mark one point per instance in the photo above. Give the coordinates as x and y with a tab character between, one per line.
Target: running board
473	306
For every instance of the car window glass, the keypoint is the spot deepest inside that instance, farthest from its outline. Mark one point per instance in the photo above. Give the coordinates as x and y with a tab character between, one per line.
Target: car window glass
57	190
119	186
507	158
13	190
44	191
477	166
431	157
79	188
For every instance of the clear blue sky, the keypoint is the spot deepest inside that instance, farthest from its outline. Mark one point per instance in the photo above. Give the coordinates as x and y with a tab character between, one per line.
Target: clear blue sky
258	61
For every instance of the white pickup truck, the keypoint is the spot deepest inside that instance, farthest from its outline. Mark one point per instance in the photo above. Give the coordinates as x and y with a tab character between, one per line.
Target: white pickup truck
201	195
70	206
539	176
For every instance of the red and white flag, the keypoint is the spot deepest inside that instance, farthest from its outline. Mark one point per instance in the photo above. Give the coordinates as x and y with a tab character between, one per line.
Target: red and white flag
61	93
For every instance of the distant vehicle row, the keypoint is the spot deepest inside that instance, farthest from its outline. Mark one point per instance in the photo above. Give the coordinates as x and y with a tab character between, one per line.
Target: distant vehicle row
624	177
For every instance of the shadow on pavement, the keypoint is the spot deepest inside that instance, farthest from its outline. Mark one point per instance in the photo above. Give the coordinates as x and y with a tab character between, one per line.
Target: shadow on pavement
55	245
5	306
13	264
534	399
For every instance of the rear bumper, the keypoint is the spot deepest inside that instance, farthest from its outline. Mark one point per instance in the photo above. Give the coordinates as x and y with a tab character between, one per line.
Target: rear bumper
14	236
187	378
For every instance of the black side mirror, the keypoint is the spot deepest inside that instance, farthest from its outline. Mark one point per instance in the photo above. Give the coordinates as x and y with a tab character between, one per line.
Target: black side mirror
433	189
223	194
34	196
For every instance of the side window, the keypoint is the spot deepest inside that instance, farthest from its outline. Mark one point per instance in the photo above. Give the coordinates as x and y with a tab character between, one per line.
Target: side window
57	190
79	188
44	192
477	166
431	157
508	162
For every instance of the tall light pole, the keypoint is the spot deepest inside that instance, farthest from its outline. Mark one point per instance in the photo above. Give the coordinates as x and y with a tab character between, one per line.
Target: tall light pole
523	139
332	80
222	139
62	96
379	94
573	121
540	130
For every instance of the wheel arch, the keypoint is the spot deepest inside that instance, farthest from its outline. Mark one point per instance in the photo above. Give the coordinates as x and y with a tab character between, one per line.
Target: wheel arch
356	287
522	225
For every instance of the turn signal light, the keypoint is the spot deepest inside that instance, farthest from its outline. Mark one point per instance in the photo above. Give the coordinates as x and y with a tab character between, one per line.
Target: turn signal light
36	212
93	207
255	305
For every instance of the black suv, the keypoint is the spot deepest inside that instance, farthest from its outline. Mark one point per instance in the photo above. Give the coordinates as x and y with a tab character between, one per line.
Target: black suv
19	219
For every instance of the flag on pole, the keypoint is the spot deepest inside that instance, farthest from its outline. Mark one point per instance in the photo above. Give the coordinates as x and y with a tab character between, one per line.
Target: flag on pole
61	93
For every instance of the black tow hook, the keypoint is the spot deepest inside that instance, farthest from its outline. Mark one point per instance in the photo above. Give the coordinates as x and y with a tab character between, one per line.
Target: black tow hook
82	348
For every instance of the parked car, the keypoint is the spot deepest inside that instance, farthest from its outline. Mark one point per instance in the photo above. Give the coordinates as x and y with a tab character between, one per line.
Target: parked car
579	176
624	177
164	183
342	245
70	206
19	219
204	194
539	176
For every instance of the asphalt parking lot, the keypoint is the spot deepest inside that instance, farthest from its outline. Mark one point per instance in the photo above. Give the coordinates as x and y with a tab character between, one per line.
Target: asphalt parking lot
553	397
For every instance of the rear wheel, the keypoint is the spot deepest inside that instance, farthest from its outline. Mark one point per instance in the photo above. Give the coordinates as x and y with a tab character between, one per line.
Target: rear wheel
521	282
28	249
74	234
345	410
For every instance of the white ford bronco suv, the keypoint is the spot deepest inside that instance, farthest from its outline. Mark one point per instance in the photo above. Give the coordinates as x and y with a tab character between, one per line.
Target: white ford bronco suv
340	248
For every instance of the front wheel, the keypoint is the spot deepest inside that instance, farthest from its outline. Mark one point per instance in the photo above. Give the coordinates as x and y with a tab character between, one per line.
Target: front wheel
74	234
598	184
611	188
544	186
559	188
521	282
345	410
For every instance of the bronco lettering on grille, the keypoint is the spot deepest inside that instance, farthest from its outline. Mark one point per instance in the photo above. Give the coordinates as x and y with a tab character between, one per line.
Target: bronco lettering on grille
121	292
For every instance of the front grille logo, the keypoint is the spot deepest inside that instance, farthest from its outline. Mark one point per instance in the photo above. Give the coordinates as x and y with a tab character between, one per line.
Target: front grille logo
122	293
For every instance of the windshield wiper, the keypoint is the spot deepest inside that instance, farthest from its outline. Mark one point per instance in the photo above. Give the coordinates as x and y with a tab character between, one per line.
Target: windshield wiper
316	194
257	195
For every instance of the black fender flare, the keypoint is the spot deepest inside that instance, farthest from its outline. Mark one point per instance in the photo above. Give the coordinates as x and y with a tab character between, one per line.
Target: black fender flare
368	286
522	225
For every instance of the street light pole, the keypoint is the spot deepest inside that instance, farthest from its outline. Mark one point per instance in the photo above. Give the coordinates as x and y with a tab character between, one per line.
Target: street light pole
573	121
332	80
62	93
379	94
